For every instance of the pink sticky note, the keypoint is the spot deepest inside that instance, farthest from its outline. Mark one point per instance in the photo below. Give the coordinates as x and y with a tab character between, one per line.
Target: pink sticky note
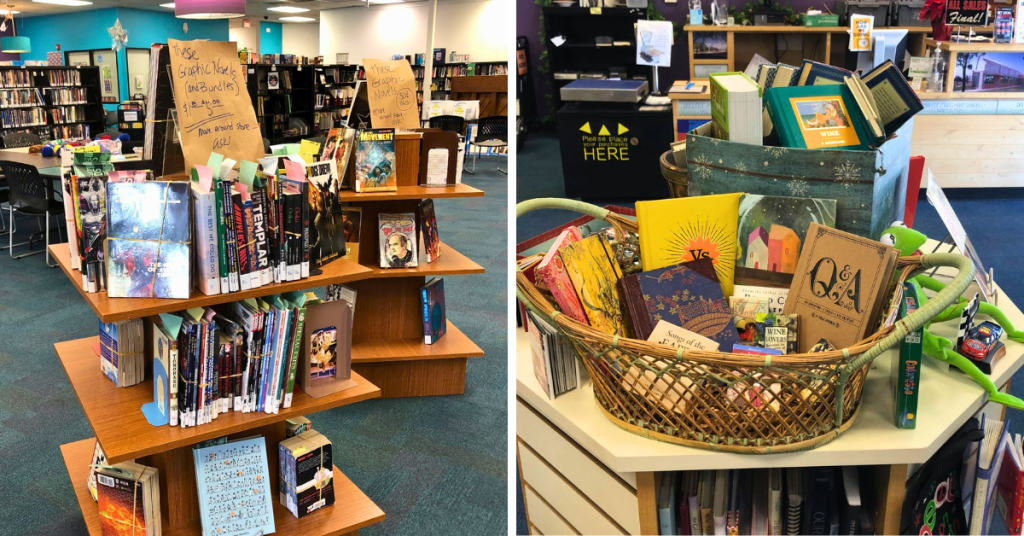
294	171
209	314
242	189
205	178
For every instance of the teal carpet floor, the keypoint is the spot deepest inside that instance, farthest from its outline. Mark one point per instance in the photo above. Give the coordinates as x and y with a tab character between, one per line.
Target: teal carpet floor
435	465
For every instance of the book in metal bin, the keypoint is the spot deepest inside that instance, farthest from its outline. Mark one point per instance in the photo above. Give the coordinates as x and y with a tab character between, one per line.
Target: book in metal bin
631	91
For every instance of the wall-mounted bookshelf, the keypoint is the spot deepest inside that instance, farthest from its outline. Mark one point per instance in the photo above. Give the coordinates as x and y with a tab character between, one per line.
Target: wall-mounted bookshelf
53	102
443	74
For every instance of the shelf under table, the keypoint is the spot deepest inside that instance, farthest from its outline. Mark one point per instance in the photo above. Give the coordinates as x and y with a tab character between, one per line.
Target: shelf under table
413	192
116	417
115	309
352	509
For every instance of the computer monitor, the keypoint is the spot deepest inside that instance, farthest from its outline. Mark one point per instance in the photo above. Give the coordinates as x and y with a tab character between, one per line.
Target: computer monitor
886	45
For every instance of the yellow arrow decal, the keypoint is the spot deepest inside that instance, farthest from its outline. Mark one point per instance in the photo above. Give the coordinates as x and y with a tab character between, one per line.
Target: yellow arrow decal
586	127
622	129
604	131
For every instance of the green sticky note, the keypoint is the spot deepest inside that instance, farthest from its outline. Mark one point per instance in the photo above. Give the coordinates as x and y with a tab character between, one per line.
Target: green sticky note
246	172
214	164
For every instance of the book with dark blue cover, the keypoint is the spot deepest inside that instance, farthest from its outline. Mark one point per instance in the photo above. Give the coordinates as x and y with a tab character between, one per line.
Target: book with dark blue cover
818	501
434	318
813	73
896	100
682	296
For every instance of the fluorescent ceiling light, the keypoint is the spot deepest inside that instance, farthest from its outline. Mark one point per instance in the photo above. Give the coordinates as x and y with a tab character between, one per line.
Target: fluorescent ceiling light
4	12
288	9
72	3
386	1
168	6
296	19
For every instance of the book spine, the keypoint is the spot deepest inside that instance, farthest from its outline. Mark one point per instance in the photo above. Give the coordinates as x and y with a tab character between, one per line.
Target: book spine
201	376
172	384
255	281
230	243
296	348
183	353
206	242
1014	526
243	400
222	261
259	218
293	239
428	333
236	376
305	231
196	373
238	213
212	393
286	357
281	263
267	384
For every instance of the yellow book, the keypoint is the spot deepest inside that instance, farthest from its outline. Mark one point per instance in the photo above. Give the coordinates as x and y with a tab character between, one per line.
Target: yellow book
591	266
688	228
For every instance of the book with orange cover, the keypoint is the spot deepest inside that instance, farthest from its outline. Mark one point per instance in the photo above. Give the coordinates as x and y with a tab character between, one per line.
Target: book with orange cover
551	271
595	273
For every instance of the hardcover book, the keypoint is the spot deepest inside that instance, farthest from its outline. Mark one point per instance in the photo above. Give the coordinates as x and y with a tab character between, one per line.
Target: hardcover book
735	102
817	117
896	101
375	161
769	330
428	231
813	73
905	372
839	284
683	297
594	272
770	229
435	323
690	228
551	272
776	296
398	240
148	240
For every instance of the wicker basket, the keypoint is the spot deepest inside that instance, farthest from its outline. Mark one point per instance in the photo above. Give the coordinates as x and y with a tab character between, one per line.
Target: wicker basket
723	401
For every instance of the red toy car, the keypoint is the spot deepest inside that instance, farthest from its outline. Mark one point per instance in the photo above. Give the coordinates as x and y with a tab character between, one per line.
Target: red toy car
981	340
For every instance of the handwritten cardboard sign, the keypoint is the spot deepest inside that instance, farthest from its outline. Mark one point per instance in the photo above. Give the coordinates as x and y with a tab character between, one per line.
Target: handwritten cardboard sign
214	110
391	87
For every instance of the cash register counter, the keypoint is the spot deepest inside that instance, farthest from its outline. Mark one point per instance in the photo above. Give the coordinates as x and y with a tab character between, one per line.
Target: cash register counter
582	474
611	150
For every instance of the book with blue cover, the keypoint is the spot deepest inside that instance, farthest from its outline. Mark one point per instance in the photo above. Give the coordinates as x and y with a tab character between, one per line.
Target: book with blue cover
896	101
817	117
233	482
813	73
681	296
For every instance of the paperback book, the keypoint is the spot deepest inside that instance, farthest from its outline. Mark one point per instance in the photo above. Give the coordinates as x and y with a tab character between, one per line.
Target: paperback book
375	161
327	236
128	495
234	465
435	323
431	242
306	473
398	244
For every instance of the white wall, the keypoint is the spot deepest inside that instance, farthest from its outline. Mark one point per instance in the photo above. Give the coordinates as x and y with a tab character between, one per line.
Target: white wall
246	37
301	39
479	28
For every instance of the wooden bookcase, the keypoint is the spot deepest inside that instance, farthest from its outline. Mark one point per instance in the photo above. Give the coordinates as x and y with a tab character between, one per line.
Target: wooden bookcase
344	76
389	359
39	79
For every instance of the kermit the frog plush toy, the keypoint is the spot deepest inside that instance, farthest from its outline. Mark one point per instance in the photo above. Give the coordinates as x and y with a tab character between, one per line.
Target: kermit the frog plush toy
907	241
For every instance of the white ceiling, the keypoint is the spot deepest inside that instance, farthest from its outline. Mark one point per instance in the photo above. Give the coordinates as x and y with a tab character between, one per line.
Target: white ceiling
255	9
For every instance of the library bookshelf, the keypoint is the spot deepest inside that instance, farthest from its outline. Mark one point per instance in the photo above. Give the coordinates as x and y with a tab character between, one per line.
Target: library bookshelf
389	359
55	99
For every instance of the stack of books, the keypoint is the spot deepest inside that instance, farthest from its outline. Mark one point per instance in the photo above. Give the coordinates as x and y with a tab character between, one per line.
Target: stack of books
306	473
122	352
129	499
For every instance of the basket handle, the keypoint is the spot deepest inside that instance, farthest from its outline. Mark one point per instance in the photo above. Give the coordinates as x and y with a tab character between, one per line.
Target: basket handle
593	211
944	298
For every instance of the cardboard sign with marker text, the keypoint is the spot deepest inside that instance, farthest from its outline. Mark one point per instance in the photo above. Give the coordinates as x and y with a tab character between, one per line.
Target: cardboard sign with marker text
391	87
214	110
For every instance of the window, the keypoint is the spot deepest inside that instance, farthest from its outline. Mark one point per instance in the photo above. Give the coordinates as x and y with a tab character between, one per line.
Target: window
106	60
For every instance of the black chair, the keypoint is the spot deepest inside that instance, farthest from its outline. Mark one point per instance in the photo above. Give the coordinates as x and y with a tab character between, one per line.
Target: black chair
31	195
449	123
5	197
21	139
110	118
491	131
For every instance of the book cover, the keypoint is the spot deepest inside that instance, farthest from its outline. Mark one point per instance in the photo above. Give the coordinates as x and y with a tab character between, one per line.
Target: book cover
98	458
1010	487
435	323
351	219
817	511
92	215
813	73
261	234
240	464
690	228
839	281
428	231
896	101
397	240
594	273
551	272
776	296
771	229
769	330
375	161
817	117
327	237
683	297
148	240
325	363
205	211
241	248
905	372
307	475
125	499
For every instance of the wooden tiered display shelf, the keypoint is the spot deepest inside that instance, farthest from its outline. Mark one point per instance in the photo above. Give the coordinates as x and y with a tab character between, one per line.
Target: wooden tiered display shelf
388	355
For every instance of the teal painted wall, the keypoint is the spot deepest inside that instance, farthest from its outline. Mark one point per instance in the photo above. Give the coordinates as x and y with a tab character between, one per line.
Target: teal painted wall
270	42
87	30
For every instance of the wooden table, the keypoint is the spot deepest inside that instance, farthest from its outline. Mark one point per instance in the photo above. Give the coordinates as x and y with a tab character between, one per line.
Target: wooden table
580	469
